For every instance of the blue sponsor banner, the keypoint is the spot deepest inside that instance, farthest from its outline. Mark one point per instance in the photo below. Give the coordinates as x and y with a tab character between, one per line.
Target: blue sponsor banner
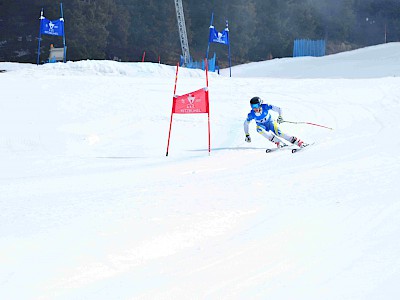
212	67
304	47
52	27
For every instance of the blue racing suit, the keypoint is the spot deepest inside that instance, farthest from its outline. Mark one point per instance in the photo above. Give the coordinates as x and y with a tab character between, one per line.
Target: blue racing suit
264	121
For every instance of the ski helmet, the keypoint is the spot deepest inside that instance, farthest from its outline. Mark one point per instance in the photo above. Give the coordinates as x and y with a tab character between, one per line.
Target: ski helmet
255	102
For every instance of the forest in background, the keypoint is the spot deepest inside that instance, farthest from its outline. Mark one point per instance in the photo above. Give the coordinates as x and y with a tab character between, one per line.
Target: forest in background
259	29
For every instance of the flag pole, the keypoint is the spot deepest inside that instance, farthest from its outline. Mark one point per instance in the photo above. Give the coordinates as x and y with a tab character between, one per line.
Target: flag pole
229	49
40	36
62	19
211	24
208	110
173	107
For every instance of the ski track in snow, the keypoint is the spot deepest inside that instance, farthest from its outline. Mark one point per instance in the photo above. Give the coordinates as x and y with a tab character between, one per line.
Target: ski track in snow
92	209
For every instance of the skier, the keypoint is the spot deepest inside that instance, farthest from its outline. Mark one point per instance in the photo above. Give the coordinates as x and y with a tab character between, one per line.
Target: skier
266	126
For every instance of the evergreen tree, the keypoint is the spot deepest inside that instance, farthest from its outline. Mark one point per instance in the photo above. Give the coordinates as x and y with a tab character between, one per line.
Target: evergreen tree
19	27
259	29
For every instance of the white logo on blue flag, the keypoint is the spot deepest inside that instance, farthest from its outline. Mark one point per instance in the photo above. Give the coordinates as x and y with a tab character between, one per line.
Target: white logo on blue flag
218	37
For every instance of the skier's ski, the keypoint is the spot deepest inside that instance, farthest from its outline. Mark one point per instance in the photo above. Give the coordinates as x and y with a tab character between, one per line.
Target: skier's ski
283	145
302	148
269	150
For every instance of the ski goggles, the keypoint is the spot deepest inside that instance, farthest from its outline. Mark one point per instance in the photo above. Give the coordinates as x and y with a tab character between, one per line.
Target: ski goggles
257	105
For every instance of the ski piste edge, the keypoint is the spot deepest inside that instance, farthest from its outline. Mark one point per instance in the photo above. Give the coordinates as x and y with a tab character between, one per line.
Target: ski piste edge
295	150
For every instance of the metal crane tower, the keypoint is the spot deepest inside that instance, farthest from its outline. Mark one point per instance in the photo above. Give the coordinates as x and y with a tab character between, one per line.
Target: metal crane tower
182	31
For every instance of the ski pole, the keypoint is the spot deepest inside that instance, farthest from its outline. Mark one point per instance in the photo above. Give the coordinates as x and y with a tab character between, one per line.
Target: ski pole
309	123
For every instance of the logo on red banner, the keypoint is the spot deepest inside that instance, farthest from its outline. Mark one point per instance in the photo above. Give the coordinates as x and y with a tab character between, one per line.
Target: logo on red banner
192	103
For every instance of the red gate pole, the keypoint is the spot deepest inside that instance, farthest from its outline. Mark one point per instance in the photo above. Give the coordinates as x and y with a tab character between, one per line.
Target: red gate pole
208	110
173	107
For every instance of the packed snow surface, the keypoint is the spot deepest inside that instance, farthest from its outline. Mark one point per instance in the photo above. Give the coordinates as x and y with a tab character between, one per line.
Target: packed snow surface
92	208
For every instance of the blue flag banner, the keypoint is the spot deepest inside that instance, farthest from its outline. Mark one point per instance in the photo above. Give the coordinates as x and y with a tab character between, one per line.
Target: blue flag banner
218	37
52	27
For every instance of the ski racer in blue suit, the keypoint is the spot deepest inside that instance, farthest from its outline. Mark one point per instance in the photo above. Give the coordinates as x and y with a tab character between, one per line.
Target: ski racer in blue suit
266	126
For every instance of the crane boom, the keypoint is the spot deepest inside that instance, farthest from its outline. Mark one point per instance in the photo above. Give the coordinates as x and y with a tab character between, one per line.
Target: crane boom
182	31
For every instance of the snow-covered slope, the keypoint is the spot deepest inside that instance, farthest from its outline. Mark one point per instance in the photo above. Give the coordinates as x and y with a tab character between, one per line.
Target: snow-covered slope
92	209
371	62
